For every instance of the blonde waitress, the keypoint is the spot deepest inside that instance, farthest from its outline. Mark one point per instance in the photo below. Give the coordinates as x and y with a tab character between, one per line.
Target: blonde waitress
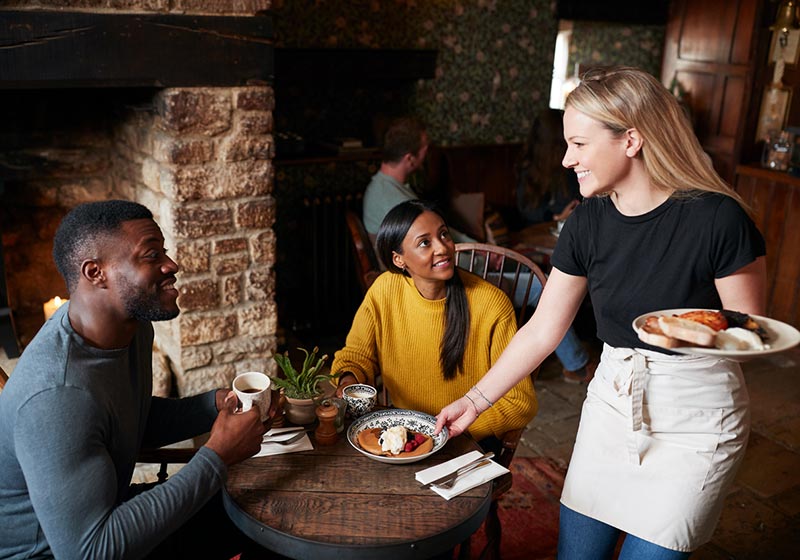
661	435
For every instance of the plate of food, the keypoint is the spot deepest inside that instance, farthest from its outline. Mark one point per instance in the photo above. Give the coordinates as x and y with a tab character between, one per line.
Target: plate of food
711	332
396	435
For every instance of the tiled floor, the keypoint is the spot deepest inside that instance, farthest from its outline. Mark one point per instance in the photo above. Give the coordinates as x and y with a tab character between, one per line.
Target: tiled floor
761	518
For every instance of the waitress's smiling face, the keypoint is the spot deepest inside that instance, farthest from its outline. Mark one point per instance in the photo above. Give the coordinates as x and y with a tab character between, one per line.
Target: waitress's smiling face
428	250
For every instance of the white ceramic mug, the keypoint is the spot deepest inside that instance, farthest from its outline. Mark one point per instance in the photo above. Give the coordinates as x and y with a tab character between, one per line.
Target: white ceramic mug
253	387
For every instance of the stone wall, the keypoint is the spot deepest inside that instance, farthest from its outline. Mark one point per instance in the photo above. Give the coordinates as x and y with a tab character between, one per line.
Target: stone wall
201	161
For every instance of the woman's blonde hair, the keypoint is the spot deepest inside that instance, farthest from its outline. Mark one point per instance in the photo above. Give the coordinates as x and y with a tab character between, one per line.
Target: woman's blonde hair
621	98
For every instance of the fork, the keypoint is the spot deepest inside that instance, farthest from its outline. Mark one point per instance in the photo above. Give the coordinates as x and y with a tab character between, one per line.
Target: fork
448	484
297	437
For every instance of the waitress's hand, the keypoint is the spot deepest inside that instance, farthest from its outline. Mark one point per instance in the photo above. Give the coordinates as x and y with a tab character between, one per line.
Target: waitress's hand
457	416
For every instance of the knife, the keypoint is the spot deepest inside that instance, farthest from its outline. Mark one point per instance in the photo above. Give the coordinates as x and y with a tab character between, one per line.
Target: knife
458	472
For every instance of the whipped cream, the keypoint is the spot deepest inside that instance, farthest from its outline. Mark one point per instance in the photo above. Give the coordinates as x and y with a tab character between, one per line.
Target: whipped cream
393	440
738	339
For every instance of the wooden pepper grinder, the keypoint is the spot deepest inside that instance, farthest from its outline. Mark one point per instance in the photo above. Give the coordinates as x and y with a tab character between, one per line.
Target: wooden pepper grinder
325	434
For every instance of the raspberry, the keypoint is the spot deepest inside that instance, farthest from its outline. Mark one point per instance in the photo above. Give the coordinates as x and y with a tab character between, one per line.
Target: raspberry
409	447
419	438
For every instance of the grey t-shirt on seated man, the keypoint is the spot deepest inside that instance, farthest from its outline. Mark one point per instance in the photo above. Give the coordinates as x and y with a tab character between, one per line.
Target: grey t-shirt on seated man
72	420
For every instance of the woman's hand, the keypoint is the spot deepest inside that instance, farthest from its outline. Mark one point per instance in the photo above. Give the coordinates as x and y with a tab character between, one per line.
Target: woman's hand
457	416
347	378
566	211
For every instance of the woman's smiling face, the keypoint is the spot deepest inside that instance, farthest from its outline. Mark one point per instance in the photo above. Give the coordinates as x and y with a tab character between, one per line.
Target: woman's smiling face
598	158
428	250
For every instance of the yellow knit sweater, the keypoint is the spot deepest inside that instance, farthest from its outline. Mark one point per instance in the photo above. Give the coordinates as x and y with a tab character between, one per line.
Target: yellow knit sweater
398	333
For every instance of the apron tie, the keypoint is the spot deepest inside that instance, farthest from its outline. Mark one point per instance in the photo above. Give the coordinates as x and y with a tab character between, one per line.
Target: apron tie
630	382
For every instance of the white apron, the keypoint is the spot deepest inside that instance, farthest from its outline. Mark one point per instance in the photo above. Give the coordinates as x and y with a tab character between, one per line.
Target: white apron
659	443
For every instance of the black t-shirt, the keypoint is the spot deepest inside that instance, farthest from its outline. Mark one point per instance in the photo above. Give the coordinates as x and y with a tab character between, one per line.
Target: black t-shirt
664	259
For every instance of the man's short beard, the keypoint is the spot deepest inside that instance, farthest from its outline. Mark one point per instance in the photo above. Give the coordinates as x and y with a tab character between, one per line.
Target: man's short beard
145	307
142	310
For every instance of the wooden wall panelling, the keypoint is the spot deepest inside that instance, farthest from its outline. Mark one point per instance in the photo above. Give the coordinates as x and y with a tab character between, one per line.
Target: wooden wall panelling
709	47
704	30
775	201
785	301
490	169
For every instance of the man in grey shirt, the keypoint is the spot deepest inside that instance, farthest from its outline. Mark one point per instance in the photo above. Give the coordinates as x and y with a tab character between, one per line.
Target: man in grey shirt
78	407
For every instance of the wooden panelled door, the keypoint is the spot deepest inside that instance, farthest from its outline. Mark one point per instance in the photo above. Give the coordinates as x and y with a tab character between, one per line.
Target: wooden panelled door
709	47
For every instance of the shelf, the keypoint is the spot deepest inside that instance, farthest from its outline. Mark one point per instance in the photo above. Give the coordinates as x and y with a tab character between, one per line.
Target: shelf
768	174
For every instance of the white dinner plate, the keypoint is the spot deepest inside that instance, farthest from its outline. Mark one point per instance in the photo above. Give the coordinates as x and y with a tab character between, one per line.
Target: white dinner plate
780	337
385	419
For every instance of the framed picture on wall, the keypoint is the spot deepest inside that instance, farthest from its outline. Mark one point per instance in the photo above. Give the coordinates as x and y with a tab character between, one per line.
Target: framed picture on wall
774	110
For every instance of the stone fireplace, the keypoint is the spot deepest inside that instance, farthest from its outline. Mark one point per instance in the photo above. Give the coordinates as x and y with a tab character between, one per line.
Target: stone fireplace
198	153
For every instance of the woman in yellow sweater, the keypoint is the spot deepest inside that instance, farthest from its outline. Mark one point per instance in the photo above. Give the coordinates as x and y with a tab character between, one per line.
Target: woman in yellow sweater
431	330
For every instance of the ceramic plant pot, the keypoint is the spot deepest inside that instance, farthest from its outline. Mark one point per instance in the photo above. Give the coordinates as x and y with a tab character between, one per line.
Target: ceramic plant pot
300	411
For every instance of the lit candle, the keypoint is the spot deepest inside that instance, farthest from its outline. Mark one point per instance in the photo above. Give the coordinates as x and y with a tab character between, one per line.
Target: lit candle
51	306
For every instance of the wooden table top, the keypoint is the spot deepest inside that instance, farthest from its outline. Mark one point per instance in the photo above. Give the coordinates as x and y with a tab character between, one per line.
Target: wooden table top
334	502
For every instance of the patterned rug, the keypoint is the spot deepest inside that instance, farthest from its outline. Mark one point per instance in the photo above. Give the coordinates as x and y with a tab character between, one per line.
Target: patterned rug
529	511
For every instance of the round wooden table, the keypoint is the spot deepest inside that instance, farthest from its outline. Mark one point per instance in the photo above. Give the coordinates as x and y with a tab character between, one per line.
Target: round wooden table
333	502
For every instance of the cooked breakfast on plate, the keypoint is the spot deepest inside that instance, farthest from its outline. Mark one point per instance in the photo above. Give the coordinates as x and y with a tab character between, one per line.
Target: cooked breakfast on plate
725	330
396	441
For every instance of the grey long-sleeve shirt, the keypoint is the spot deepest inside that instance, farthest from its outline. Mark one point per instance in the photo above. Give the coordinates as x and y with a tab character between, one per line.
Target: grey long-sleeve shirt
72	420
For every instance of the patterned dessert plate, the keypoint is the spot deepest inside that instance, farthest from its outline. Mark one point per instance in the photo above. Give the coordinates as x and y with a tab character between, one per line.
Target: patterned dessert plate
385	419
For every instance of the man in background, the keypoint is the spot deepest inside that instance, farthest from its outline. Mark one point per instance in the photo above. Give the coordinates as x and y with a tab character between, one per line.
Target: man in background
405	146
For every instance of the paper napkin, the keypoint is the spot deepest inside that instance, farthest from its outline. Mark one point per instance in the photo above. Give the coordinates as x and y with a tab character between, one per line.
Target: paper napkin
270	445
465	482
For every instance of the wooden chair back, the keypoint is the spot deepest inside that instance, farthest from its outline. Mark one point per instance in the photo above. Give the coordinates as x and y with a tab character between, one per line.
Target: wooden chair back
3	378
366	261
518	270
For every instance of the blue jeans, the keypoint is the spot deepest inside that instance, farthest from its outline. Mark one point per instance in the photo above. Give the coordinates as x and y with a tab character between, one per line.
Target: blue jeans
583	538
569	351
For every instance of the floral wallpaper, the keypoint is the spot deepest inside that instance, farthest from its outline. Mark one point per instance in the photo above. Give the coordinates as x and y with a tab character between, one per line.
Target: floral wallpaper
494	67
494	62
602	43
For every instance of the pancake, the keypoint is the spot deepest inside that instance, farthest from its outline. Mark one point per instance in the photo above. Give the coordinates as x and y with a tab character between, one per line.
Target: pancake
369	441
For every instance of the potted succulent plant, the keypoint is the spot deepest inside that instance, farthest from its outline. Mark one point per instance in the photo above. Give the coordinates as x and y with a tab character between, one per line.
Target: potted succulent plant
302	386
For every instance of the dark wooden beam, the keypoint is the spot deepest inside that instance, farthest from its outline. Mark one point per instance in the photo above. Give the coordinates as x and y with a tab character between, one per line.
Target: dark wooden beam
40	49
